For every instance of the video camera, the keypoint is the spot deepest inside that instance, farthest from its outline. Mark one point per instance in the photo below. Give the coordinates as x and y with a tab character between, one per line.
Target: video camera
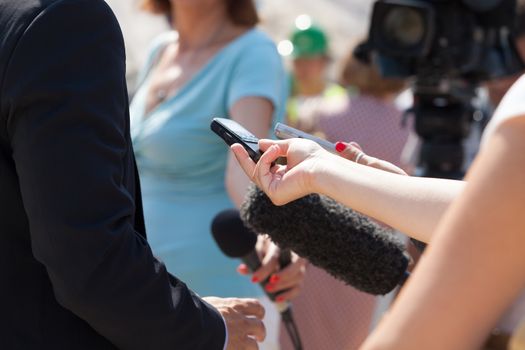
449	47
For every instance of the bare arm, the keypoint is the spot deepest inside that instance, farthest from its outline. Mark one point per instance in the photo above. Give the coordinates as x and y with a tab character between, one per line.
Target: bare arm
412	205
475	265
255	114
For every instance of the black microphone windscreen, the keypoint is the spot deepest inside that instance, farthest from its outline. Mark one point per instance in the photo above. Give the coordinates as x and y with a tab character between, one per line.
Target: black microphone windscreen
346	244
231	235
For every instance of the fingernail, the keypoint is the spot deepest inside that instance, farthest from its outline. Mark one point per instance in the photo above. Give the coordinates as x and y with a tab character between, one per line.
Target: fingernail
340	146
242	269
255	279
279	299
269	287
274	279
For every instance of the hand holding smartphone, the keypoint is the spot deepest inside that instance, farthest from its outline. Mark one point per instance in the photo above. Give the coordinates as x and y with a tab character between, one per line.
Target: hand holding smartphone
232	132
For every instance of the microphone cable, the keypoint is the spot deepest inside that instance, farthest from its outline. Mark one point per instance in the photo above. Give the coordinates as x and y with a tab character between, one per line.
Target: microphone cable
285	309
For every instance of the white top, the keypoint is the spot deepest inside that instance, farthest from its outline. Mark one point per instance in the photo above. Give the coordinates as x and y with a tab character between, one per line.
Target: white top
511	106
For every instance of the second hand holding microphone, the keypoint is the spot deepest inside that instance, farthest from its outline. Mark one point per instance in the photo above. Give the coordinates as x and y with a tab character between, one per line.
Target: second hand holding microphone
237	241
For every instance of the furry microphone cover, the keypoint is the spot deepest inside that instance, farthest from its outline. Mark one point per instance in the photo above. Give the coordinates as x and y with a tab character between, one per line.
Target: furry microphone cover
333	237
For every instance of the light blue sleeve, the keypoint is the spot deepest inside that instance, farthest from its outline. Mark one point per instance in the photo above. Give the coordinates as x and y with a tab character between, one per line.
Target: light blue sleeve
259	72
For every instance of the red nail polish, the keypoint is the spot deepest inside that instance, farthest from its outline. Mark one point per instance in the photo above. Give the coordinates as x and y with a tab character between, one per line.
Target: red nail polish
274	279
279	299
255	279
269	287
340	146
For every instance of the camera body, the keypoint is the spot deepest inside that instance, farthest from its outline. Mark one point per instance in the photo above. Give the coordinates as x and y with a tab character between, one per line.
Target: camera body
447	48
441	39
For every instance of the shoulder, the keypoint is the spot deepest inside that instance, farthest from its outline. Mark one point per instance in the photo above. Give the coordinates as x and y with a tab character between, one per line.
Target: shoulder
22	19
257	36
60	26
512	107
255	42
36	29
16	16
256	52
513	102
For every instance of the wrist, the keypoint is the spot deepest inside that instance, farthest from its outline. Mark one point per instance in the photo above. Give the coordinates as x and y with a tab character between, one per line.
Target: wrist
319	176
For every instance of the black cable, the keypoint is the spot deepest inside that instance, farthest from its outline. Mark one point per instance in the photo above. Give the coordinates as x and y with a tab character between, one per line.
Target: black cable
291	328
285	258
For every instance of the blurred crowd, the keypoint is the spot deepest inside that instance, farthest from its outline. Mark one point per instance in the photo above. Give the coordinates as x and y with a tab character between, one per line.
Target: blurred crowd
258	63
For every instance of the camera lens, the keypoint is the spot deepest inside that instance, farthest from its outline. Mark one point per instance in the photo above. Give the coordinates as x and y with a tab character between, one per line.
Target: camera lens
404	27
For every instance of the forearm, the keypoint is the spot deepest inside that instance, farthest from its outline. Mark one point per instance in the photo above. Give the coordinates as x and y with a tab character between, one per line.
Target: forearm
236	182
130	299
411	205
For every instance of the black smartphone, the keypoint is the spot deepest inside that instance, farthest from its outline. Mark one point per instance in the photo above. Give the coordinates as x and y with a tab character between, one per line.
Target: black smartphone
232	132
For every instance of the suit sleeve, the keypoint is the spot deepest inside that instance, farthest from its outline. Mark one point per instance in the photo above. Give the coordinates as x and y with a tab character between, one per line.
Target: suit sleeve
69	134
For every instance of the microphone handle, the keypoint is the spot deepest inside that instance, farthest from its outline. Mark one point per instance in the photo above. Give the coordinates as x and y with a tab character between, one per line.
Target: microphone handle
285	258
254	263
252	260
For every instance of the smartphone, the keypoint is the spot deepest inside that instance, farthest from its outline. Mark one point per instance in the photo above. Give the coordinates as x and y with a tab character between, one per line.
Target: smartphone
284	132
232	132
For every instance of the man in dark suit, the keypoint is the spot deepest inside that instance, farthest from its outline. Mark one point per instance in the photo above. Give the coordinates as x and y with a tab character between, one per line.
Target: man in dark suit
77	272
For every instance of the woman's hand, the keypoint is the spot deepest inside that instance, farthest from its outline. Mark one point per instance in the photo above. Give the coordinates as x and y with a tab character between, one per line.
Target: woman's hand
283	183
352	151
286	282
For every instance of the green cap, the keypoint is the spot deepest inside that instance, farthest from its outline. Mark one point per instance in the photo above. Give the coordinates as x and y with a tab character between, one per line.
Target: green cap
308	42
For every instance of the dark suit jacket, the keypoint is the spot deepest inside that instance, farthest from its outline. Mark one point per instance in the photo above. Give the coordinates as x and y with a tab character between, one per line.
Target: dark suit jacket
75	269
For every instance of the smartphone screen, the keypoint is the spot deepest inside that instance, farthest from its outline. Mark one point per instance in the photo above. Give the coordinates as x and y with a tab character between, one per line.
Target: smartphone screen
232	132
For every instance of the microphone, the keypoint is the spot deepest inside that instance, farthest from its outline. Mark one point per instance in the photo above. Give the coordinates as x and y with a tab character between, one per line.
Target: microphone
346	244
237	241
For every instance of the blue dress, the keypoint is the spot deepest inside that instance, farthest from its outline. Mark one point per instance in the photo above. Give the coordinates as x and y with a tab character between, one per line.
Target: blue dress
182	162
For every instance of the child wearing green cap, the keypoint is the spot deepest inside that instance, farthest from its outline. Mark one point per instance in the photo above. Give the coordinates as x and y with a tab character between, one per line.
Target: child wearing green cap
311	91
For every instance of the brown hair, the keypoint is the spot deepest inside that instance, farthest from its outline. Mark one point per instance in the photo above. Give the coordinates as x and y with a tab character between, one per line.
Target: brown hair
241	12
366	78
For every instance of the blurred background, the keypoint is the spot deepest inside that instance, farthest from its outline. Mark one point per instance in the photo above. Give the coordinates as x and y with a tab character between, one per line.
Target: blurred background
345	22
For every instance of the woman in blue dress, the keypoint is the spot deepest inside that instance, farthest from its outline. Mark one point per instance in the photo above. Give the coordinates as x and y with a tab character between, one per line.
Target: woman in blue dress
216	64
